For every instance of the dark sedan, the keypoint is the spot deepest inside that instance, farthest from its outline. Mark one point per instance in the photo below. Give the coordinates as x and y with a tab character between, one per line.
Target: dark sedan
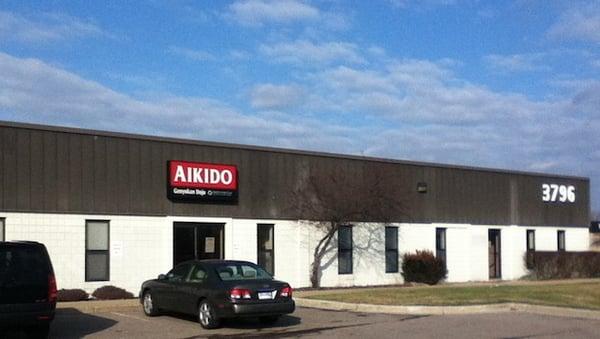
217	289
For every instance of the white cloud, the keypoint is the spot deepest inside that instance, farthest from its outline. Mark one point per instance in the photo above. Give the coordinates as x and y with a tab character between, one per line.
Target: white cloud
46	28
270	96
192	54
307	53
516	62
259	12
581	23
33	91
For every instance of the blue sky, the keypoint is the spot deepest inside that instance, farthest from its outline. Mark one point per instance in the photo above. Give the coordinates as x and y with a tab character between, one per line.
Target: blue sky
506	84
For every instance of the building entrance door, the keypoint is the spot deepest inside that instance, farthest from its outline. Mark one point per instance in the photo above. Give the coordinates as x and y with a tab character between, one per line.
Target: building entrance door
197	241
494	254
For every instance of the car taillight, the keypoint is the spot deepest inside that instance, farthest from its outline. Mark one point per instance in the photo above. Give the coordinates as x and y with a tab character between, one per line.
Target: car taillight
240	293
286	292
52	293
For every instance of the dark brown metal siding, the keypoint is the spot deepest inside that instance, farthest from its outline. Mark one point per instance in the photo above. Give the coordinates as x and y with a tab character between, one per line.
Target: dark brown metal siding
68	172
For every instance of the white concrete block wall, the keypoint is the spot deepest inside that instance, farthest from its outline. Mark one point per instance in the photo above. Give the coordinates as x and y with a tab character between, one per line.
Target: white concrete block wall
329	263
369	256
304	254
479	253
513	247
147	247
241	239
577	239
416	237
147	251
289	261
545	238
458	256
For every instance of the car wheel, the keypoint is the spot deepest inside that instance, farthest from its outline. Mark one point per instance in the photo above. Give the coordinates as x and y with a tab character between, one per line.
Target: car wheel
149	305
207	316
269	319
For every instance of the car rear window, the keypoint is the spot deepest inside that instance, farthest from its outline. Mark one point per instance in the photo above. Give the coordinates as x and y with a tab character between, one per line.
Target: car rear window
23	265
241	272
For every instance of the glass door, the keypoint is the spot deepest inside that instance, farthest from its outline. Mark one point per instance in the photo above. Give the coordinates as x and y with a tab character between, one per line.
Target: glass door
197	241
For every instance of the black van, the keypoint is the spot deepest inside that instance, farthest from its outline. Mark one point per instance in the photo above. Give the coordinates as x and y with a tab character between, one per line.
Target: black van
27	287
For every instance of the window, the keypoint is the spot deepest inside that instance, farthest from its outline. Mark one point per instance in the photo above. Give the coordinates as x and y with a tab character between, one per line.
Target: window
198	275
561	240
2	229
530	248
440	244
22	268
391	249
242	272
97	241
179	273
345	250
266	255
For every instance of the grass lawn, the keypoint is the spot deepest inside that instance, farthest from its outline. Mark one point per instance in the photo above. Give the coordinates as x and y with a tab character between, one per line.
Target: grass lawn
579	295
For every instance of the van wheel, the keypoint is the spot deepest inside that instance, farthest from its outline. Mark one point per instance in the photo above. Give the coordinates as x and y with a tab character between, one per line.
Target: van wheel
206	316
149	305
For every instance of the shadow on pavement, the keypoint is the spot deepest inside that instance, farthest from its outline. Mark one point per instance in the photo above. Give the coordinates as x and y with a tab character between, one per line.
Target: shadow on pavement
244	322
72	323
254	323
282	333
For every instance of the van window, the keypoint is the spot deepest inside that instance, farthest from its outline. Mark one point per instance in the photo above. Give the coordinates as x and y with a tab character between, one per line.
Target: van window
21	265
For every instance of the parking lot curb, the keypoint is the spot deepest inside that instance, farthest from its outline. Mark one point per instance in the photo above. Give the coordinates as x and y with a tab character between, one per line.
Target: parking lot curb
448	310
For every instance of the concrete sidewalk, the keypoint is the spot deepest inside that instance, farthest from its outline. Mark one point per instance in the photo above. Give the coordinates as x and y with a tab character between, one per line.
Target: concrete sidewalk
97	306
449	310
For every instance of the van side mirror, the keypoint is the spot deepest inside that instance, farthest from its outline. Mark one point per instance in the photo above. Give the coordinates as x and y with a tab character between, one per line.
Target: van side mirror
162	277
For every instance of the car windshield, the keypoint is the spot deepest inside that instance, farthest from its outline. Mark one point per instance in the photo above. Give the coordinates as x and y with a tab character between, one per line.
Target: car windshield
239	271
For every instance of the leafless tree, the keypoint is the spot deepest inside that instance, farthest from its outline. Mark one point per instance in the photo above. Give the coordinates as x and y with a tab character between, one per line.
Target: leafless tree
340	196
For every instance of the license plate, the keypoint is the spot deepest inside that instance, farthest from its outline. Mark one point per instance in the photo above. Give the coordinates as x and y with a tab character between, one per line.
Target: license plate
265	295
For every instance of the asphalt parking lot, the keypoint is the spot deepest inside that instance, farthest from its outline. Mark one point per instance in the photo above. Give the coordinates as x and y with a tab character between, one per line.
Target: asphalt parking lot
306	322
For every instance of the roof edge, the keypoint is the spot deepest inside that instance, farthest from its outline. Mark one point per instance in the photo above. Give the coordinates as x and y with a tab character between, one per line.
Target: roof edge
84	131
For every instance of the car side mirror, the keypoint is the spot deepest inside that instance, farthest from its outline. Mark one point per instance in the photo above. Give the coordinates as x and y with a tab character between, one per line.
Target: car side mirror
162	277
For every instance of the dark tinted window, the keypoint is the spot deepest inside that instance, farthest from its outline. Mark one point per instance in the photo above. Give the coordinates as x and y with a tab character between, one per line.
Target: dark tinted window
345	250
266	254
180	272
530	240
391	249
245	271
23	265
440	243
2	229
529	255
198	274
561	240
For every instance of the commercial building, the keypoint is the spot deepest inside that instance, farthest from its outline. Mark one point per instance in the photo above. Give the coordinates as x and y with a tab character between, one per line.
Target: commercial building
118	209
